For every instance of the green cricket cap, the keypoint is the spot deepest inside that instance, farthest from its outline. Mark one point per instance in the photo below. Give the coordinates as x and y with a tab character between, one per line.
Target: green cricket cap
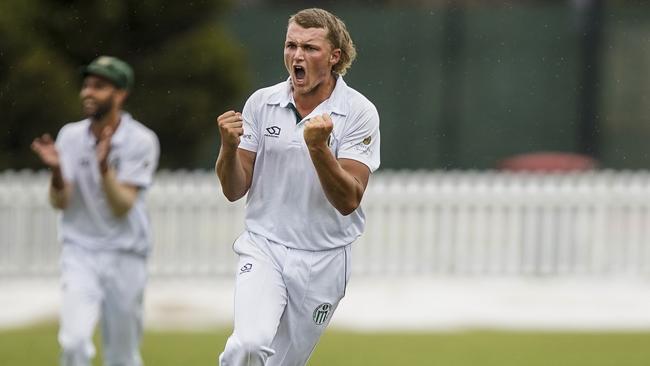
111	68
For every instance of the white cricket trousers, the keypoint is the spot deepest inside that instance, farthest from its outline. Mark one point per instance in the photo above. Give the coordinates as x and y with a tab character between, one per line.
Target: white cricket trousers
284	299
106	284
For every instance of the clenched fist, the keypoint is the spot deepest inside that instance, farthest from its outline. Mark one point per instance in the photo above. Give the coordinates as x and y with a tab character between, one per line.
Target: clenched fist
317	130
231	127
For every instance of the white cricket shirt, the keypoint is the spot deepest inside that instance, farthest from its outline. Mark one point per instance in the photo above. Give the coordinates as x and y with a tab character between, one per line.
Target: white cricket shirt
286	202
87	221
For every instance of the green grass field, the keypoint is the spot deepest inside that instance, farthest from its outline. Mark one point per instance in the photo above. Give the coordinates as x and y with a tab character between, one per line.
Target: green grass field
37	346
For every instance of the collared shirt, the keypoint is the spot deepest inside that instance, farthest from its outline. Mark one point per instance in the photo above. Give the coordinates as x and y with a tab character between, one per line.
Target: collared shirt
88	221
286	202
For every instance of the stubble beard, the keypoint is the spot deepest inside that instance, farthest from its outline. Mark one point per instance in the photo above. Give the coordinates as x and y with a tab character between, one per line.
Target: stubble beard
102	109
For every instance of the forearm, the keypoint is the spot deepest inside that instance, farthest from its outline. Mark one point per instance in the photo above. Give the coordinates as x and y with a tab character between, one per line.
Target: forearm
59	191
119	198
231	174
342	190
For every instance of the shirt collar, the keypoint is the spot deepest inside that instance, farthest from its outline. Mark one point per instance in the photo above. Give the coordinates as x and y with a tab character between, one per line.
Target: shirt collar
118	136
336	103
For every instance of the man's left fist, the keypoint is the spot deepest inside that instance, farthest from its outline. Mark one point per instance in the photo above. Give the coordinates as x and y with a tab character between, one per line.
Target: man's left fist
317	130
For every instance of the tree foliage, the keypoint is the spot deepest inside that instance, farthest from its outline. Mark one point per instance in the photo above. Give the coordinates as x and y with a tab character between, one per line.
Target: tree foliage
188	69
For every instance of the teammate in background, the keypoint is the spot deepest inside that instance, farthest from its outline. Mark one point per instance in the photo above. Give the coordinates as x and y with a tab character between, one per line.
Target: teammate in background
101	168
303	150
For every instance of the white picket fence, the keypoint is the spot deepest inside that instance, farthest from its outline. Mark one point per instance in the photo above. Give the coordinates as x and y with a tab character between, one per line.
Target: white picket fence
430	223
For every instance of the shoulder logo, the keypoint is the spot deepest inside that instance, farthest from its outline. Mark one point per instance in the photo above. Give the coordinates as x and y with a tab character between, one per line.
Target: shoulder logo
273	131
367	140
322	312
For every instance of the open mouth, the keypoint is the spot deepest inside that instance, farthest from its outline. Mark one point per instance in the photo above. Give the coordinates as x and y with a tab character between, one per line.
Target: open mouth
299	72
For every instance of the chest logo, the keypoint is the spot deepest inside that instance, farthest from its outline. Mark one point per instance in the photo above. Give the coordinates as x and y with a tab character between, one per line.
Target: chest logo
115	163
246	268
273	131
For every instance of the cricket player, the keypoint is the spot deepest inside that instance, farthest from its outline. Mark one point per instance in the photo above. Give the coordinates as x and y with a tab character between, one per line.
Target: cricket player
303	150
101	168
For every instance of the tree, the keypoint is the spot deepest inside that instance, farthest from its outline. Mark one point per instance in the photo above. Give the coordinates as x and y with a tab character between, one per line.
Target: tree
187	70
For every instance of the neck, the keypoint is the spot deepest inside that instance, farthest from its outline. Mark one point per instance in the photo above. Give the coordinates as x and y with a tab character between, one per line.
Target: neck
307	102
110	119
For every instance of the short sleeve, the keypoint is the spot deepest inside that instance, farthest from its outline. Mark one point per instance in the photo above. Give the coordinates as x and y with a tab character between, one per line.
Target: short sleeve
65	147
361	140
250	139
139	164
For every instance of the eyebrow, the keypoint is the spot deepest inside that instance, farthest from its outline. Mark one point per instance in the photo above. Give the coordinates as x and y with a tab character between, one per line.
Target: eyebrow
307	42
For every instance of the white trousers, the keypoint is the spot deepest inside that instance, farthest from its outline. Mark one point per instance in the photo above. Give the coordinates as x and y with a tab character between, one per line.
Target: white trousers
107	285
284	299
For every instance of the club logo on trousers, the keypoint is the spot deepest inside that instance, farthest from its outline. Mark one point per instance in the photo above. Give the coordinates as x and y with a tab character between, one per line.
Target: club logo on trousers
321	313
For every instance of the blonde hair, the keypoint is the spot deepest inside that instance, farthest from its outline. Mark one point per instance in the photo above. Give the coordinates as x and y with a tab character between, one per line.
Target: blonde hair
337	34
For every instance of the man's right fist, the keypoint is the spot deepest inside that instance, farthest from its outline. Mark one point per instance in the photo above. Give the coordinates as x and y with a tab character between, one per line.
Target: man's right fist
231	127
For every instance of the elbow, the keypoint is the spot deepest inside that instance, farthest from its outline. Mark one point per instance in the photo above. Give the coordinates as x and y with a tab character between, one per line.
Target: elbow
347	205
348	208
345	212
233	196
59	205
121	209
121	212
